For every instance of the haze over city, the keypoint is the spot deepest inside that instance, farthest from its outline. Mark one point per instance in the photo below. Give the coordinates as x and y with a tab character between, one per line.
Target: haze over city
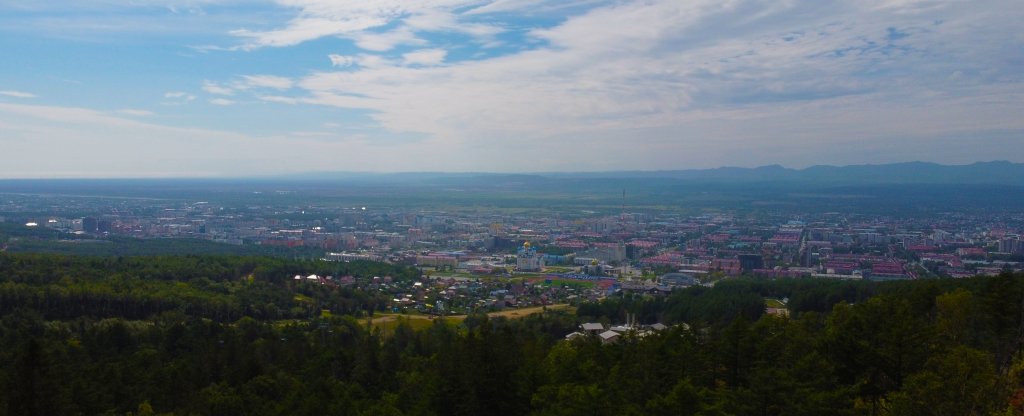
231	88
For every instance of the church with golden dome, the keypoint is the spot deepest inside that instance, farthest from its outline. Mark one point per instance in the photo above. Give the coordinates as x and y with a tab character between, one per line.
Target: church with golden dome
528	260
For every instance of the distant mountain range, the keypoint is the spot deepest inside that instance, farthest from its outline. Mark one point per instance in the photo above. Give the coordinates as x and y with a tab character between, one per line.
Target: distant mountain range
997	178
892	188
989	173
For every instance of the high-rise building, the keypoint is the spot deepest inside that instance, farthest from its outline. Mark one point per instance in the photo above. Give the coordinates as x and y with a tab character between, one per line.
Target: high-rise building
1009	245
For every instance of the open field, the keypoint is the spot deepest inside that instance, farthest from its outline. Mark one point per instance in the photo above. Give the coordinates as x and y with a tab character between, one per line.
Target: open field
520	313
385	321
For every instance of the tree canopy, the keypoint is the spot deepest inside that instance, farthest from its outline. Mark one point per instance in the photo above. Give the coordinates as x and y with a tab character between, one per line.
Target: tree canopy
225	335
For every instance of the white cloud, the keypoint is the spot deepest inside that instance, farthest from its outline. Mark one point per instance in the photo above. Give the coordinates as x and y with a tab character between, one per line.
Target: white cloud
279	99
532	7
221	101
505	6
301	30
386	41
244	83
425	57
356	19
213	88
178	98
373	61
341	60
267	81
434	20
17	94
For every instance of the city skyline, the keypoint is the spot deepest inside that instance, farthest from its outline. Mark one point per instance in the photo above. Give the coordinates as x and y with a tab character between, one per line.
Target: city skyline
208	88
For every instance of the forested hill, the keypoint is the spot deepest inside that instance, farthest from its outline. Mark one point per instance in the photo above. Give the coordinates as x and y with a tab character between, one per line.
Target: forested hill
222	288
230	336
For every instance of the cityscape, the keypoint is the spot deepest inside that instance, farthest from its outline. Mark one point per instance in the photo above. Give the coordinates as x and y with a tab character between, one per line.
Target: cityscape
512	207
488	259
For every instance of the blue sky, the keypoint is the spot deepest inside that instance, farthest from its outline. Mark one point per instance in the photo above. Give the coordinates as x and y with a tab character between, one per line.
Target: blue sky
150	88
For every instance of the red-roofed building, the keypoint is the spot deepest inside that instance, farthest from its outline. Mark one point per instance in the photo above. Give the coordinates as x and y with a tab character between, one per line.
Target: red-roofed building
717	238
886	268
672	259
838	267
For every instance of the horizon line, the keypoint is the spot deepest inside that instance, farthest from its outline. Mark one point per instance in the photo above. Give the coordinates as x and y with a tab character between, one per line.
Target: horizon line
311	174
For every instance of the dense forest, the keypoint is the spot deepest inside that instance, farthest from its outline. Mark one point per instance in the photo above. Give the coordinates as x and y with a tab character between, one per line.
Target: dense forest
213	335
219	288
20	239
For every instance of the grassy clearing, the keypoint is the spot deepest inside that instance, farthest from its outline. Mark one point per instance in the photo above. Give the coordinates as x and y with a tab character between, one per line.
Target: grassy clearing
388	322
577	284
774	303
524	312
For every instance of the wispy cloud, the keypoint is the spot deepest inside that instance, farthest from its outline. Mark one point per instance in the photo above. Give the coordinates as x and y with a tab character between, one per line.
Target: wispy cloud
245	83
178	98
425	57
217	89
126	22
222	102
385	41
136	112
267	81
504	6
341	60
439	20
17	94
279	99
360	21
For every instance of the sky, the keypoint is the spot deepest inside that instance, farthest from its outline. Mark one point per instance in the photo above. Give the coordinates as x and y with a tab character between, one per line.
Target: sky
228	88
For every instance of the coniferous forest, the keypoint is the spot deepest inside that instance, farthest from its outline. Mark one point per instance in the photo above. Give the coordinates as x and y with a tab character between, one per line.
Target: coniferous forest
228	335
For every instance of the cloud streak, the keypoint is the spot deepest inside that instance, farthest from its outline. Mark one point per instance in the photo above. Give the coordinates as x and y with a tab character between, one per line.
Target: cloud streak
358	20
17	94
